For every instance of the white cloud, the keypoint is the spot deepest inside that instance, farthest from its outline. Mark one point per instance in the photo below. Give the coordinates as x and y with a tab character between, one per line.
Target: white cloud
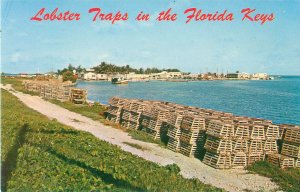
15	57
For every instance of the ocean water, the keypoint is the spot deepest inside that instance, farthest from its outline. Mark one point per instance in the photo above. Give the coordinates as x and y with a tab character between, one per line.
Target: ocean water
277	100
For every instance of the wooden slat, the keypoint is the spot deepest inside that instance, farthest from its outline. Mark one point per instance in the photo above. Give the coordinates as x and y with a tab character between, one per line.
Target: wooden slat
291	150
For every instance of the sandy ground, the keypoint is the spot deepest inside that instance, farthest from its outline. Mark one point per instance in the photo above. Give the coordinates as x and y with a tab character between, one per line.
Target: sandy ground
230	180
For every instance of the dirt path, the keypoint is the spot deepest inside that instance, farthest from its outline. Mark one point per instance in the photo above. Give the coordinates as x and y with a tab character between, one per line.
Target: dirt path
230	180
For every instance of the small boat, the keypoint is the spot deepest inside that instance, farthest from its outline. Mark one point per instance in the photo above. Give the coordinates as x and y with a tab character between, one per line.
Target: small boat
119	80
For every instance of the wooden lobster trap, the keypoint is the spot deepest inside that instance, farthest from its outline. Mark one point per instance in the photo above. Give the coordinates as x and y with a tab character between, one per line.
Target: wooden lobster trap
208	120
125	115
220	129
144	121
113	110
54	91
188	136
48	91
155	134
117	101
281	160
241	131
135	117
64	93
274	159
291	150
124	123
127	105
158	112
173	144
286	162
175	118
256	146
193	123
292	134
217	145
155	124
217	161
257	132
113	118
239	160
78	96
138	106
240	145
189	150
241	120
270	146
42	91
148	112
260	121
34	87
254	157
272	131
114	101
133	125
174	132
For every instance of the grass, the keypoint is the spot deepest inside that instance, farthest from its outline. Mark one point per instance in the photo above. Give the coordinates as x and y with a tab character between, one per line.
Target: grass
134	145
287	179
142	136
39	154
16	83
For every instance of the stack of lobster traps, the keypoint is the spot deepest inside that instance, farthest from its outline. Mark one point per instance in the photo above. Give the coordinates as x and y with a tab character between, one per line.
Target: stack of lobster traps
153	120
221	140
173	123
290	151
78	96
218	144
116	105
55	89
131	113
239	142
64	92
192	136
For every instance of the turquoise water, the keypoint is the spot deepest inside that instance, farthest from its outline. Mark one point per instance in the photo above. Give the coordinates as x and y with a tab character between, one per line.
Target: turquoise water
277	100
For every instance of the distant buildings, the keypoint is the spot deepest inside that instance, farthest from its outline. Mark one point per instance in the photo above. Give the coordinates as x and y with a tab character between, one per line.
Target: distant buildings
238	76
255	76
260	76
90	74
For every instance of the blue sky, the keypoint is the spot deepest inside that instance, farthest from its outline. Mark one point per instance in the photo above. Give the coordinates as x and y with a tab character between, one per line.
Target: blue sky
274	47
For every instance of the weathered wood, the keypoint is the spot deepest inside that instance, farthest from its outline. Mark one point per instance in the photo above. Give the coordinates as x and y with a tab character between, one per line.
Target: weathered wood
218	161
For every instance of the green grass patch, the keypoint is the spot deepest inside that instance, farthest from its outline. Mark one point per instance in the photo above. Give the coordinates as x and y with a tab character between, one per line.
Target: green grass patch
134	145
287	179
142	136
43	155
16	83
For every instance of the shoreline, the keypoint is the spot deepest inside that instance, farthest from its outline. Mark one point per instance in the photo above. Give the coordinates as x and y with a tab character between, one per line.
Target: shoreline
108	91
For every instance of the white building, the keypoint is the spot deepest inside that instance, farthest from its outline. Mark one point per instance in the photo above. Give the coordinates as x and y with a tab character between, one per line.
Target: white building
166	75
103	77
192	76
259	76
243	75
134	76
90	76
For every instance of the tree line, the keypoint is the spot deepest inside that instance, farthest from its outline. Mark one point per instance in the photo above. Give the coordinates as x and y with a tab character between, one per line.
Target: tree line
106	68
